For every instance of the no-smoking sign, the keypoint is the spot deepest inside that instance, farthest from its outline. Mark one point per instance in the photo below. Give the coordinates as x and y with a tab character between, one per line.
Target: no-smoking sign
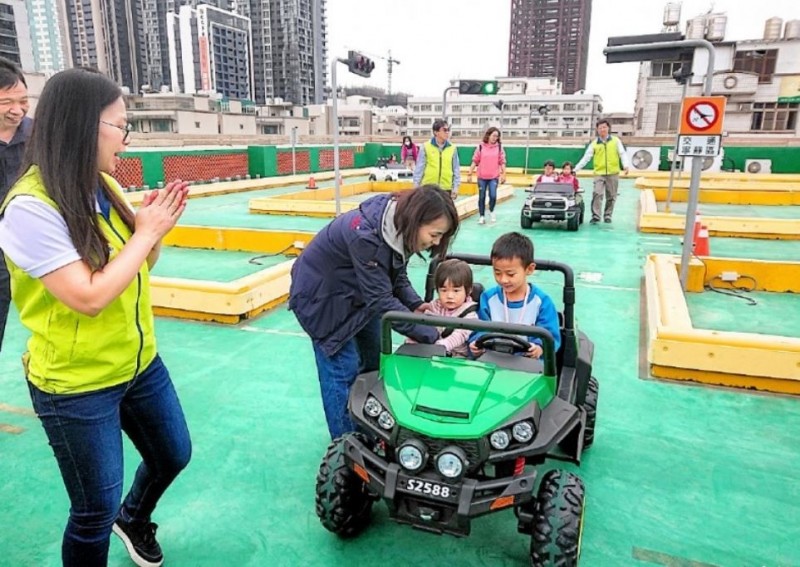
702	115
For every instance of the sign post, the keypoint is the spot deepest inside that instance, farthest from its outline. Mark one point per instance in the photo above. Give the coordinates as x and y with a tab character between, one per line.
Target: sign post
700	136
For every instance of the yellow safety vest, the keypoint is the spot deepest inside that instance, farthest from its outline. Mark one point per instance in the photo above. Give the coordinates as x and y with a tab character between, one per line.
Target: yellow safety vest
606	157
438	165
69	352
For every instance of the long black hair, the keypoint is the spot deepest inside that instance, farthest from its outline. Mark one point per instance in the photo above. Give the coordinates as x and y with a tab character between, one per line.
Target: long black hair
63	144
421	206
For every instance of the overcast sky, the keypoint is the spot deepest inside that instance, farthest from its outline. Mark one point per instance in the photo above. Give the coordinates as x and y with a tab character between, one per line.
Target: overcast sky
439	40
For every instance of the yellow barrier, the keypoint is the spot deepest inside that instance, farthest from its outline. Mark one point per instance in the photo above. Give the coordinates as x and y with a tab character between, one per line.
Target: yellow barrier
228	302
244	185
678	351
653	221
723	192
319	203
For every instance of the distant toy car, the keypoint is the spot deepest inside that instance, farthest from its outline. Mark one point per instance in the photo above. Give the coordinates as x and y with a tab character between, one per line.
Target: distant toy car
553	202
385	171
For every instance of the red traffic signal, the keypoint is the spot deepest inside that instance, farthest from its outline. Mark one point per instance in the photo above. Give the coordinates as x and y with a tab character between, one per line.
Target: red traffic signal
360	64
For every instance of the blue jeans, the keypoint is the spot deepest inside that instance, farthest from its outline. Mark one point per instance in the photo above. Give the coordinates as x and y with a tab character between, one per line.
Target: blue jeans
85	432
338	372
484	184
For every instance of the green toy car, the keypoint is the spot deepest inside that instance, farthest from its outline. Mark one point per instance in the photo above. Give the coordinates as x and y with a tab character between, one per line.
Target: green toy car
443	440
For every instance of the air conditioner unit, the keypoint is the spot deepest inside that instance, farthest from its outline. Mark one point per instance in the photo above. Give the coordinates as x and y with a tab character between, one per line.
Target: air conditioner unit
644	159
758	165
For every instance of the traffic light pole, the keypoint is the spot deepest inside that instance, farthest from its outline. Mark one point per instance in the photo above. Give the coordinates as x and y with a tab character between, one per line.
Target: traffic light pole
674	159
444	101
335	109
697	163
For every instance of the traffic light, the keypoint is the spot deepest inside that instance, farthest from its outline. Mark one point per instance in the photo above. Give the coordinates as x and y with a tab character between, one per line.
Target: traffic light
477	87
360	64
673	53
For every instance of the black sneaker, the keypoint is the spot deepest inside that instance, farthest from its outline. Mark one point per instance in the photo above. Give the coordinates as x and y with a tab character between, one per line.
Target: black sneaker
140	541
608	221
594	221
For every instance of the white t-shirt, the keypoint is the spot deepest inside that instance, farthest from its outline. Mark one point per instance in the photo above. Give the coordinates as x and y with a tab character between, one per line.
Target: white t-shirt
35	237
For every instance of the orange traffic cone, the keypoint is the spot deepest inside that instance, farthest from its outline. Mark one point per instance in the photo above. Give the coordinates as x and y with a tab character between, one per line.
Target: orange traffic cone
698	221
312	183
701	243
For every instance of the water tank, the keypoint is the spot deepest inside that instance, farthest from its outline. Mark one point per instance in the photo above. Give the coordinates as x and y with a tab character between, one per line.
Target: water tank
696	28
772	29
715	27
672	14
792	30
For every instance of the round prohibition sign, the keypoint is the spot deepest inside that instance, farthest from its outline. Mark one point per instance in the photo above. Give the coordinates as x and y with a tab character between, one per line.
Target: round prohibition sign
702	115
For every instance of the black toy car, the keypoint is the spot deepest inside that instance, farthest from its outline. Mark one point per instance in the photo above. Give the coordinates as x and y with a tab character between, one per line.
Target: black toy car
444	440
553	202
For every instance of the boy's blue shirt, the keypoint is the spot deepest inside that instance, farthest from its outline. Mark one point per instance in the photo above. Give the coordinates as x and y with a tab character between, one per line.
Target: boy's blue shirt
537	309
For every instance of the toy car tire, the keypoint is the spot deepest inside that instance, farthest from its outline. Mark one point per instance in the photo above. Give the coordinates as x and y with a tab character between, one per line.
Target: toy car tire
525	222
343	504
558	520
573	223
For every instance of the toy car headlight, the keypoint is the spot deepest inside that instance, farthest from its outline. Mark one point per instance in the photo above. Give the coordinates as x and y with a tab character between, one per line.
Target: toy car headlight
412	455
450	462
571	202
372	407
500	439
523	431
386	420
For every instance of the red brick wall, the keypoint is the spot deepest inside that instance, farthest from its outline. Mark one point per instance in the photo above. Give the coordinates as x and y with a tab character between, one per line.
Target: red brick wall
302	162
129	172
204	167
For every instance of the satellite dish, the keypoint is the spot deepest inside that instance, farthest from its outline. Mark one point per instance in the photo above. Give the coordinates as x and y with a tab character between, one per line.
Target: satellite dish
642	159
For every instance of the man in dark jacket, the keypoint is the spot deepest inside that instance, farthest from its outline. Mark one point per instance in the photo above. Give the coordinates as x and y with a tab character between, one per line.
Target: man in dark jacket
15	129
354	271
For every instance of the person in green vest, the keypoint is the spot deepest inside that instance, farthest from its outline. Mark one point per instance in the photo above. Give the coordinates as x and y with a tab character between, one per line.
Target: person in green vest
437	163
80	258
609	157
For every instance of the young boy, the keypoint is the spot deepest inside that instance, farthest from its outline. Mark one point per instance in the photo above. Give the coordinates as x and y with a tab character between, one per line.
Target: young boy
515	300
549	175
453	280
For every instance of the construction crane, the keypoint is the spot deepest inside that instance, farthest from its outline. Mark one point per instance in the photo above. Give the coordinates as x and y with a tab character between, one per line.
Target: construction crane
390	63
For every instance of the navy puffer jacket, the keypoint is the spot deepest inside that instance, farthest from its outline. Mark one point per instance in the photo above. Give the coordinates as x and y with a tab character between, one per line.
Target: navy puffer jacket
352	271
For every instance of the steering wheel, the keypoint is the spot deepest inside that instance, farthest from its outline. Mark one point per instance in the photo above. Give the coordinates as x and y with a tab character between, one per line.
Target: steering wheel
498	342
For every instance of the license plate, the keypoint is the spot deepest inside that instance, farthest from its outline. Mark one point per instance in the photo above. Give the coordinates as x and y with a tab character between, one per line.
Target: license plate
431	489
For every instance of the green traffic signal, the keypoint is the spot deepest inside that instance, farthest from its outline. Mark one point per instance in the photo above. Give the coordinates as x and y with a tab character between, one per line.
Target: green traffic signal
477	87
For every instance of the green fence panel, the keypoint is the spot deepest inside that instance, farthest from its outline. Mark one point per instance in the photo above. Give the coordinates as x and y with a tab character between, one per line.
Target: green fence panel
262	160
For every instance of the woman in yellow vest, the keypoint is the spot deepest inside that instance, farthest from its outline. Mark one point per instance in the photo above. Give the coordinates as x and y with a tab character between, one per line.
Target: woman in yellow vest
79	259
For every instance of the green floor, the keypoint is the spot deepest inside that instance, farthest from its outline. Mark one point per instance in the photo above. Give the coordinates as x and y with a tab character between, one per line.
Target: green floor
679	475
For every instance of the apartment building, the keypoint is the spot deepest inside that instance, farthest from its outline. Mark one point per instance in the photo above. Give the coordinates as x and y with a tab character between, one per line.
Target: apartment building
522	108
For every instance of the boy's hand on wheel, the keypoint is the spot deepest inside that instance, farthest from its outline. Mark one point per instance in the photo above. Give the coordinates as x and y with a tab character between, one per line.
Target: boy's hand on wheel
535	351
475	350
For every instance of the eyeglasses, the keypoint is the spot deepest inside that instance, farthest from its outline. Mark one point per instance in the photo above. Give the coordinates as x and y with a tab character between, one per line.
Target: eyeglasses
127	129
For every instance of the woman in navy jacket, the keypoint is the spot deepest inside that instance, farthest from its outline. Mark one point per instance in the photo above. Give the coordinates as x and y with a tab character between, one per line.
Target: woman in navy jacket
354	271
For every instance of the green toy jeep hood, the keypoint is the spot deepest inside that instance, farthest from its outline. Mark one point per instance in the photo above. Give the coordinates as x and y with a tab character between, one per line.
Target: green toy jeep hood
457	398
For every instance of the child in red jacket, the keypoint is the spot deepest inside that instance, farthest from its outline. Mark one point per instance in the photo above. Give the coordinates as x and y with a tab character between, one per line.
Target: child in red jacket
568	177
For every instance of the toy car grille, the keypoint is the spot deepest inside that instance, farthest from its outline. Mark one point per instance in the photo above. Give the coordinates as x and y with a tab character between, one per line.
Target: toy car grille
472	448
551	204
